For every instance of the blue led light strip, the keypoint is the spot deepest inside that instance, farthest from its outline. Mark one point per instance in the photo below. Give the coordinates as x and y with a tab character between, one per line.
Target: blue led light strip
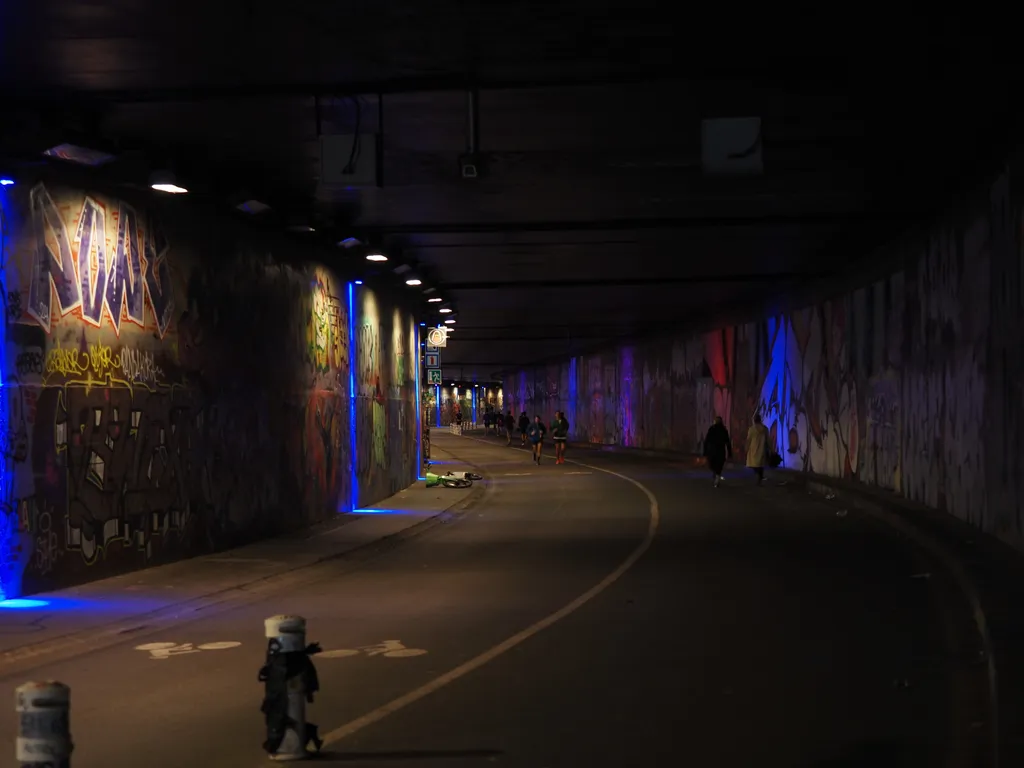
419	408
437	402
353	455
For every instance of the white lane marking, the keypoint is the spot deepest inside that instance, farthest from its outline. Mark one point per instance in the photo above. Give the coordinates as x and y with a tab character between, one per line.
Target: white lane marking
166	650
391	649
577	473
475	663
517	474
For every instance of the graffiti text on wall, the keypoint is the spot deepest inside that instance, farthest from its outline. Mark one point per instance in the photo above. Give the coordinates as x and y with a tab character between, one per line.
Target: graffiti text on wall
95	266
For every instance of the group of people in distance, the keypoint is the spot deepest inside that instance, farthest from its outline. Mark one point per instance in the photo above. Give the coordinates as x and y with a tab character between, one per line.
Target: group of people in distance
717	442
533	432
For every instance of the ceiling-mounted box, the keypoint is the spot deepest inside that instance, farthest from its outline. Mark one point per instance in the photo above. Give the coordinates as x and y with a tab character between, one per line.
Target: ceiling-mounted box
469	166
731	146
347	163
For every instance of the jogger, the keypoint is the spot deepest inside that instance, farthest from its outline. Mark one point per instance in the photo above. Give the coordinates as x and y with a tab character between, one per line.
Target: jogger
535	433
560	434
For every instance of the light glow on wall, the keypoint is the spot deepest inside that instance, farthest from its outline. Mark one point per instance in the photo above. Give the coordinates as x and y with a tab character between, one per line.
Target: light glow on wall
22	604
574	392
419	408
9	533
353	501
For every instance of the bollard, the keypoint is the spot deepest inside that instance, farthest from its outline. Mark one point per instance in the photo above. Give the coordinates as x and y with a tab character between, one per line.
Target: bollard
290	680
44	732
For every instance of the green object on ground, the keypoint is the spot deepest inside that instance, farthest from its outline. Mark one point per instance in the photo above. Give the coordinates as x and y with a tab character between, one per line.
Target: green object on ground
432	480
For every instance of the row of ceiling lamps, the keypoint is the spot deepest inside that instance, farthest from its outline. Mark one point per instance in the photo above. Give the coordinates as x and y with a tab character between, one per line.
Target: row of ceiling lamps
415	282
164	182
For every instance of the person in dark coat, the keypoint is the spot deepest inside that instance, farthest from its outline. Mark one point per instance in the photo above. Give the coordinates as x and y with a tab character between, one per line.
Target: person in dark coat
717	448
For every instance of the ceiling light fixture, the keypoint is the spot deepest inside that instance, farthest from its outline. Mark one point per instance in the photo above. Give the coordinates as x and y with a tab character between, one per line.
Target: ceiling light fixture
164	181
349	242
301	228
73	153
252	207
358	282
171	189
6	182
413	281
376	257
445	310
450	321
434	300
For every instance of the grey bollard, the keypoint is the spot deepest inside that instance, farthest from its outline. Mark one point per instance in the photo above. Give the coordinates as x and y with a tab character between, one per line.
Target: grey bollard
291	681
44	728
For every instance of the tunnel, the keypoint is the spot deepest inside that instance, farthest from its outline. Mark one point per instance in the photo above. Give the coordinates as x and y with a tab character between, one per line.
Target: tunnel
653	375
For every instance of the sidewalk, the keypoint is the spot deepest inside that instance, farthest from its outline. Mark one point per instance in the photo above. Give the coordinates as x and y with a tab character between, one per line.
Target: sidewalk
71	620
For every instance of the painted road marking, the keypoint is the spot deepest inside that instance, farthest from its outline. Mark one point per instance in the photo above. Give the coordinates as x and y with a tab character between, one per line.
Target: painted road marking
577	473
166	650
391	649
517	474
475	663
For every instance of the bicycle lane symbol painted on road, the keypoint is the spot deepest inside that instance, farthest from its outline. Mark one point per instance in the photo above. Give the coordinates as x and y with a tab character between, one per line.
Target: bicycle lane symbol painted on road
390	649
166	650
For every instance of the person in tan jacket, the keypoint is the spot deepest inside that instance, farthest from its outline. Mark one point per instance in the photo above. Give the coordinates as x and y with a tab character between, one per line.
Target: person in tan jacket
757	447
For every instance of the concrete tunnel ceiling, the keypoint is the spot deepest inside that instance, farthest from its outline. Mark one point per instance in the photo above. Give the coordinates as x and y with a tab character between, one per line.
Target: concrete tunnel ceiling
593	215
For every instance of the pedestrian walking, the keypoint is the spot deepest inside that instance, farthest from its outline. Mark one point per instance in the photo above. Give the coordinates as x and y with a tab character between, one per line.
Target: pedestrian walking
757	447
717	448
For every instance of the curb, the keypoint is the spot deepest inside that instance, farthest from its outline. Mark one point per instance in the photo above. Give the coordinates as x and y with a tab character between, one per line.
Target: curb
68	645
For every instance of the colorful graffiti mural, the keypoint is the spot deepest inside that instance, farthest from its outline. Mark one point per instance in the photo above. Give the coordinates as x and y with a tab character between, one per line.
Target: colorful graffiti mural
159	403
909	383
385	409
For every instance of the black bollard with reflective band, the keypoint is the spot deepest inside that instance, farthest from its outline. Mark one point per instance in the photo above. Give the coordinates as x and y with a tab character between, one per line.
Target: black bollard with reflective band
290	681
44	728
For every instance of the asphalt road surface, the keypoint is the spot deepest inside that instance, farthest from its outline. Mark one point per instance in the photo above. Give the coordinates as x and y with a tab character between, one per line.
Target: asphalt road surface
758	629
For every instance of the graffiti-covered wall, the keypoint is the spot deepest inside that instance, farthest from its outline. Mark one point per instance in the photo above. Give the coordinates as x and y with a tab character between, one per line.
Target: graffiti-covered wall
386	362
914	382
169	389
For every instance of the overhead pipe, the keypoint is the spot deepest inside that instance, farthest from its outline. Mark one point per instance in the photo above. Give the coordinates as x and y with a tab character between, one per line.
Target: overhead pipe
472	122
619	282
424	84
618	225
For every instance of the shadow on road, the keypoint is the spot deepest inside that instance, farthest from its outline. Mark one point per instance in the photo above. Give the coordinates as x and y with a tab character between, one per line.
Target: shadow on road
411	754
876	755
